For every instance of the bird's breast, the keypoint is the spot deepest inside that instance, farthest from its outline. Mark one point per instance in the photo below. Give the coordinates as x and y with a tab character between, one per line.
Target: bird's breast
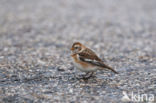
82	65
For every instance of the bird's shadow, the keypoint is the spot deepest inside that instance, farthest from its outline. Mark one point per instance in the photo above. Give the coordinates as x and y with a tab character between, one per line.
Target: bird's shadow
90	80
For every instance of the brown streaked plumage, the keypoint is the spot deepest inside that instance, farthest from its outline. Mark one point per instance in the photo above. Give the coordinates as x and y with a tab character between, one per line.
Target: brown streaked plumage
89	54
86	60
78	61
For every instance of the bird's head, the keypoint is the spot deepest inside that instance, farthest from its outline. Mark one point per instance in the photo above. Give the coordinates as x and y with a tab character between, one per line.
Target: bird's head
77	47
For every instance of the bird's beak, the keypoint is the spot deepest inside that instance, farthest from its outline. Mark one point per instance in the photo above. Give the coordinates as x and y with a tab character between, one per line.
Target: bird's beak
71	48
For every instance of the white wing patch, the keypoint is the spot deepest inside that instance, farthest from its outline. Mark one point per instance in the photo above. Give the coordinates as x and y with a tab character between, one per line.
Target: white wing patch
91	61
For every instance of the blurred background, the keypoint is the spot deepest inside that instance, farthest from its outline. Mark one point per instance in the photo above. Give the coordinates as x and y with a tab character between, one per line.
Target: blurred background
35	37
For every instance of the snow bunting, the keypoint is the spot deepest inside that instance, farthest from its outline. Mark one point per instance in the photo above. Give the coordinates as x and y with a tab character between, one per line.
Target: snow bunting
86	60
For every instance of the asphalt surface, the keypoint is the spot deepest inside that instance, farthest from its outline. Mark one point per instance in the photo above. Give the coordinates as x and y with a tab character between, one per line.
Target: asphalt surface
35	41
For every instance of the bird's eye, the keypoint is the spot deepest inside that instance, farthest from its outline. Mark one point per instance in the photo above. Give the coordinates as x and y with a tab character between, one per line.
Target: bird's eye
76	47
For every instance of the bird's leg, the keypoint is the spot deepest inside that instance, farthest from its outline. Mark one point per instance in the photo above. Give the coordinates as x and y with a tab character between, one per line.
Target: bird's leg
91	74
83	76
88	75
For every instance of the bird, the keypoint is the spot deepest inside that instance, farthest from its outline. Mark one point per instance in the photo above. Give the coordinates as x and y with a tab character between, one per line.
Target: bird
86	60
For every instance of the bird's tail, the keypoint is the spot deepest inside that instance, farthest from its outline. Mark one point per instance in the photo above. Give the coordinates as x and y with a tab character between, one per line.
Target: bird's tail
112	69
108	67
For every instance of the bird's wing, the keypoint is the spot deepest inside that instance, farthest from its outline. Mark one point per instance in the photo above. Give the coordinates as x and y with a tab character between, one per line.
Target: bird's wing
90	57
89	54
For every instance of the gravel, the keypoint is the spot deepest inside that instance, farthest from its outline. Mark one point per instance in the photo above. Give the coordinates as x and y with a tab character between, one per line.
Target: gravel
35	37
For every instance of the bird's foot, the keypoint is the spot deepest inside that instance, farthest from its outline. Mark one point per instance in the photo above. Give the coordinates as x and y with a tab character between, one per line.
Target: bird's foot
86	76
